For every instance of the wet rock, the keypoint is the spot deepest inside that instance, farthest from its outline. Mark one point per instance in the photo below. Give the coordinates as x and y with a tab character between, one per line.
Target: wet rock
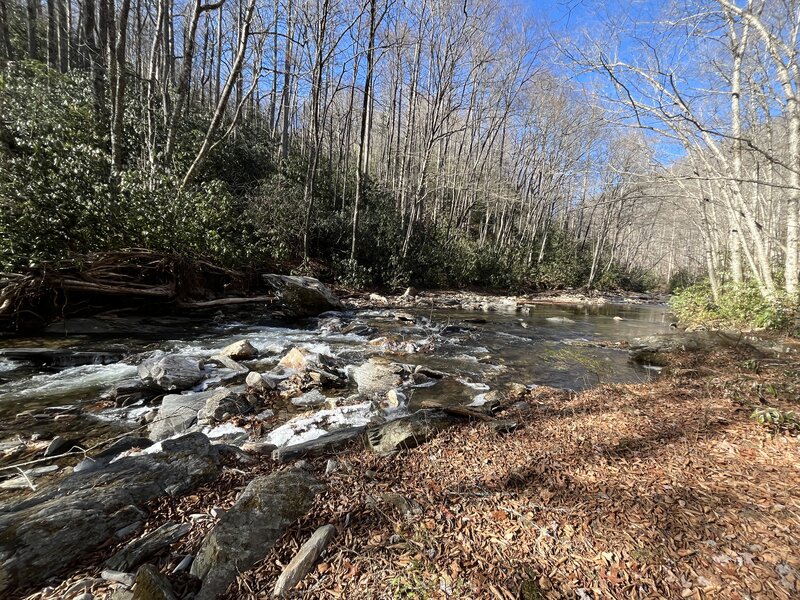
177	414
152	585
241	350
58	446
325	444
173	372
304	560
244	534
130	391
395	399
561	320
408	432
147	546
360	329
375	378
304	296
224	403
46	532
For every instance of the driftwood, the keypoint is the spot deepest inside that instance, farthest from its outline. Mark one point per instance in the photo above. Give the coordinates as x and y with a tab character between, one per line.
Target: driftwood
137	279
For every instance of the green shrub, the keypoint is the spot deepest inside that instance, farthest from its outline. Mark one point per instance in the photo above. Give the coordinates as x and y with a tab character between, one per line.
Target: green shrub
739	306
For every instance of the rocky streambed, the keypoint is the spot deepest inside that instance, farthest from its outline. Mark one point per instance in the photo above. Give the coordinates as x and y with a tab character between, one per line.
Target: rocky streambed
95	425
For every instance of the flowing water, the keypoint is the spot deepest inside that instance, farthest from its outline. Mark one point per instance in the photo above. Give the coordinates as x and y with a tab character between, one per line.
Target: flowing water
541	345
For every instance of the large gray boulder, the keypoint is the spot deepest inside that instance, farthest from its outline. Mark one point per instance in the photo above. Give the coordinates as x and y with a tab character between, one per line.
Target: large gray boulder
245	533
304	296
171	372
177	414
59	525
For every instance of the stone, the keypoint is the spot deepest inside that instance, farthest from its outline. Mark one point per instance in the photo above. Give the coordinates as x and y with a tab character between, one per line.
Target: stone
122	577
259	383
259	448
152	585
149	545
331	466
408	432
171	372
224	402
297	359
395	399
304	560
244	534
241	350
312	399
378	299
229	363
61	524
325	444
184	565
375	378
178	413
58	446
130	391
410	292
304	296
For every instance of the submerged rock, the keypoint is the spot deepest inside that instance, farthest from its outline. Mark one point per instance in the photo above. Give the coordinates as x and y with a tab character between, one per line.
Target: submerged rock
304	296
173	372
245	533
58	525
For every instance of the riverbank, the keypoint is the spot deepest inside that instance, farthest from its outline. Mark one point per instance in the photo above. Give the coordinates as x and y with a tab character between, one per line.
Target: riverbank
667	489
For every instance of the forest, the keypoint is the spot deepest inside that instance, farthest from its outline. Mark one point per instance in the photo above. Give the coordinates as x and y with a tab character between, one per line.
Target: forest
391	143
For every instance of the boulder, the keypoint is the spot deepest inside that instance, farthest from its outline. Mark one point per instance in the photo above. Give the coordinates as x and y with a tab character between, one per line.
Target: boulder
304	560
375	378
408	432
173	372
244	534
129	391
224	402
55	357
152	585
178	413
304	296
241	350
58	525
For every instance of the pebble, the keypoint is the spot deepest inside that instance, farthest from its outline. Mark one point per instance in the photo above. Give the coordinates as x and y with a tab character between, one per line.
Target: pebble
331	466
217	512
